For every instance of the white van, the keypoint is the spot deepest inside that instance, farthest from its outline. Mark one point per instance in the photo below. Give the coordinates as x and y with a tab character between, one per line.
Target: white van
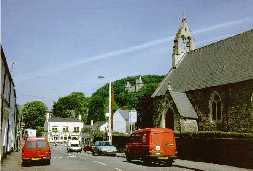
74	145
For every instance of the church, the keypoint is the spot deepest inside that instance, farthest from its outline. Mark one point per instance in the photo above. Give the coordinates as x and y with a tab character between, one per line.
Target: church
208	88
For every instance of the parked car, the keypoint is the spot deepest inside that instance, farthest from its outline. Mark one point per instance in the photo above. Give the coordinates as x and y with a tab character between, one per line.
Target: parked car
74	146
104	148
152	144
87	148
36	149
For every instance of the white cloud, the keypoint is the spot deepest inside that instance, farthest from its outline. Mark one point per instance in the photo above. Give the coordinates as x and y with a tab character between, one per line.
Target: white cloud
126	50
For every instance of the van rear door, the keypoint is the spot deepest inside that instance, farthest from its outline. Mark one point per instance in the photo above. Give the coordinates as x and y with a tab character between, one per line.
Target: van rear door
164	142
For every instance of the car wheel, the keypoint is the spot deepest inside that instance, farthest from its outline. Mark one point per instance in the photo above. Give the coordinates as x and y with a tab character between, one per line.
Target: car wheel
48	162
24	163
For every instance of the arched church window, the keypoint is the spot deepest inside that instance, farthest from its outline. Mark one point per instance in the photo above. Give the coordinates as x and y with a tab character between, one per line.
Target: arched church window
216	107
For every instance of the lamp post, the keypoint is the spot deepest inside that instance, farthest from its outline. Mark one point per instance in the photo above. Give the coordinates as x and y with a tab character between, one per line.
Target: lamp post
110	110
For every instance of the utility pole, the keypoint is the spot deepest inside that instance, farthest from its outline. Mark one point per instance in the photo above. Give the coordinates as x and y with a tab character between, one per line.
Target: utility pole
110	110
110	113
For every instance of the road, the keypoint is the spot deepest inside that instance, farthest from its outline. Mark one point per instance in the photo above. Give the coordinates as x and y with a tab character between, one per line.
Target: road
63	161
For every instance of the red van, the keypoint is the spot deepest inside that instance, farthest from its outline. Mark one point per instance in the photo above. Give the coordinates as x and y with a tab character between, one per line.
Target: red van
36	149
152	144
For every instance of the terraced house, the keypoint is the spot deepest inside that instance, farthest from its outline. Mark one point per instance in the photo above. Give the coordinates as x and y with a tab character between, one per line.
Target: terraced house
10	123
207	88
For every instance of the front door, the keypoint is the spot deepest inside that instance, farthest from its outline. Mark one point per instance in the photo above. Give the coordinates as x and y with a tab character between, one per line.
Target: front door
169	119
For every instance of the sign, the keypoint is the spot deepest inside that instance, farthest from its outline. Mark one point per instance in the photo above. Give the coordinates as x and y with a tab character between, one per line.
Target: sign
132	116
107	114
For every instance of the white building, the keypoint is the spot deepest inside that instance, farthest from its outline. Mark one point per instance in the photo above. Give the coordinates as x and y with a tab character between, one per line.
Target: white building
61	130
124	120
9	133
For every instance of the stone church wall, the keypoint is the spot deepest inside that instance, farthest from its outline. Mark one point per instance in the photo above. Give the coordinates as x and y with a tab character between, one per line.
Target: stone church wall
237	107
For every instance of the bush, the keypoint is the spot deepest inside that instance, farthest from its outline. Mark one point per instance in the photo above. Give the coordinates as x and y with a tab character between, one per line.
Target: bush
216	134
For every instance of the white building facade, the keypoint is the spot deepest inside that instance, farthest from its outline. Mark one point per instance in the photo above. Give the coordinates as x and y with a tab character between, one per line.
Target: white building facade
9	112
60	130
124	120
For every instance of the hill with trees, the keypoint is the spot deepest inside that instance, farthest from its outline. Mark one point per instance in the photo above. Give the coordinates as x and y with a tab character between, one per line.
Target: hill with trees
140	100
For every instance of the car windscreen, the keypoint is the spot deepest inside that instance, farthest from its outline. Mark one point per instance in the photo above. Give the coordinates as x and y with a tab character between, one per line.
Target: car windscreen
102	143
31	145
41	144
74	145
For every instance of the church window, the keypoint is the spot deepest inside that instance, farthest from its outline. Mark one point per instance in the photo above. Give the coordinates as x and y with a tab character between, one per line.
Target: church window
216	107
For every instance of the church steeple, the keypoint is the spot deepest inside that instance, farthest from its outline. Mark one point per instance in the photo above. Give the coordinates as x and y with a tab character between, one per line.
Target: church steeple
183	43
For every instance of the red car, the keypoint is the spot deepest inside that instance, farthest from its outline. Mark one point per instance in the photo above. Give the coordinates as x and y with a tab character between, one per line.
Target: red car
36	149
87	148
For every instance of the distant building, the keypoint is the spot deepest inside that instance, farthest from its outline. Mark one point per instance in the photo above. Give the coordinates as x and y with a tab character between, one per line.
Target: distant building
10	121
208	88
61	130
136	87
122	121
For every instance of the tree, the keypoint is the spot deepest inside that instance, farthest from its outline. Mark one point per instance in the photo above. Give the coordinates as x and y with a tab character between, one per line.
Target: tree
71	106
34	114
96	109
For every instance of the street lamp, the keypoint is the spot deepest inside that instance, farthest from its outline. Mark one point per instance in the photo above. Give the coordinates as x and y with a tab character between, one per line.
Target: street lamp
110	110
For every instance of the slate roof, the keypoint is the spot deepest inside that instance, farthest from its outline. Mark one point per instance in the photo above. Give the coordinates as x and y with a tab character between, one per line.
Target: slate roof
223	62
183	104
58	119
124	114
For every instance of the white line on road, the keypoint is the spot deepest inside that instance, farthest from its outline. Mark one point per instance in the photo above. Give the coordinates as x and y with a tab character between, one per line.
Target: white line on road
99	162
117	169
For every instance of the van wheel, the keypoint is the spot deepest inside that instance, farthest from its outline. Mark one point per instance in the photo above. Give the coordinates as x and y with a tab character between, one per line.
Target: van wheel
128	158
169	163
147	161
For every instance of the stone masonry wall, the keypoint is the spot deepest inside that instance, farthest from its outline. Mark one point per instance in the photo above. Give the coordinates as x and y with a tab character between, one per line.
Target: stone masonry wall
162	105
237	107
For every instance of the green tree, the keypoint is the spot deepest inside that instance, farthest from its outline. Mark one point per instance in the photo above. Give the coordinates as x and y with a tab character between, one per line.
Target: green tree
71	105
34	114
96	109
141	100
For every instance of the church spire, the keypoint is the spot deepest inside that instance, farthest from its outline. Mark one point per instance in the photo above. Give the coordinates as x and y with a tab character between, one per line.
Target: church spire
183	43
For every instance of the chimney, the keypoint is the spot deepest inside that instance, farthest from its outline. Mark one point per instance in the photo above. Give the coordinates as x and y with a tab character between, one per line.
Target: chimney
91	122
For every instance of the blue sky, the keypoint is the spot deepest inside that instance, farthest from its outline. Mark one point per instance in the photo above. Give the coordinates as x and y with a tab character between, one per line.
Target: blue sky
62	46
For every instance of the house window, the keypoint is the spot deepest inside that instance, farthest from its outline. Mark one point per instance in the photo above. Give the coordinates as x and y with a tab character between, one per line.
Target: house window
216	107
54	129
65	129
76	129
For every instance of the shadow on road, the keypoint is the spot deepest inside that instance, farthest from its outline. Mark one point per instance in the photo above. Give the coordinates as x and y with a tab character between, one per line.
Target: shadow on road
38	163
160	164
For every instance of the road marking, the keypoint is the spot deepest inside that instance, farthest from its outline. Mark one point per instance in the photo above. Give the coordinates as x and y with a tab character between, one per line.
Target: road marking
99	162
117	169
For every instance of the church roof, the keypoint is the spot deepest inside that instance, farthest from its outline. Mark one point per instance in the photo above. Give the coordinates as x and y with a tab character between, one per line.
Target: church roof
223	62
183	104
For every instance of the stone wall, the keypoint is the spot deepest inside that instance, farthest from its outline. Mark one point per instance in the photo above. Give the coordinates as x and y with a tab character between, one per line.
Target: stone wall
162	105
237	107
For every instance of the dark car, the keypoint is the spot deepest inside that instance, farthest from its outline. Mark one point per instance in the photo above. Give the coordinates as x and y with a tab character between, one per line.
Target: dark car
104	148
87	148
36	149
